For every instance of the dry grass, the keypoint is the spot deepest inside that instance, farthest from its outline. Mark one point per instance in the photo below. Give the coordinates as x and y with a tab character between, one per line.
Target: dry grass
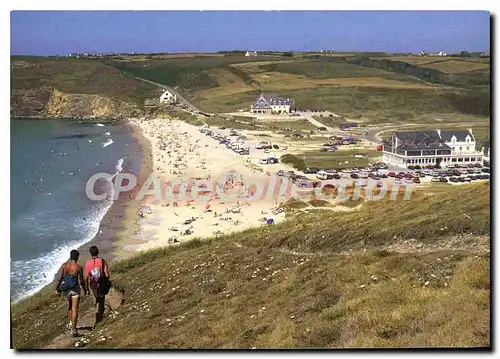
414	60
277	81
306	283
228	82
455	66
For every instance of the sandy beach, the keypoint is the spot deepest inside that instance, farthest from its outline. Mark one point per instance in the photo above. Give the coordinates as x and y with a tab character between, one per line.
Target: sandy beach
225	200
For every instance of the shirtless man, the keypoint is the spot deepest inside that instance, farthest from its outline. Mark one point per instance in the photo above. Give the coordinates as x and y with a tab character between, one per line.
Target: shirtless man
71	272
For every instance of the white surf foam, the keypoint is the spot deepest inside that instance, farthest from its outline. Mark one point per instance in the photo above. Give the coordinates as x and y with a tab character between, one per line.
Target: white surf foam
119	165
47	266
107	143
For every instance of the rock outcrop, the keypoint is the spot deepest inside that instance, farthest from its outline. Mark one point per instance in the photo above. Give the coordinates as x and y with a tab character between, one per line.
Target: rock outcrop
47	102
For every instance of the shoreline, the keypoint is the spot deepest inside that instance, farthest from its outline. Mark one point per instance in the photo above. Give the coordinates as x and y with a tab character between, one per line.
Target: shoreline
118	214
121	213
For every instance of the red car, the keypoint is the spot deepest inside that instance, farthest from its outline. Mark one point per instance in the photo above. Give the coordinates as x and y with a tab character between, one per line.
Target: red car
416	180
391	174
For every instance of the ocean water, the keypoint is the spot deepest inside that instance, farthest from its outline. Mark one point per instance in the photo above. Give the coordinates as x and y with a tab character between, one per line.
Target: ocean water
51	161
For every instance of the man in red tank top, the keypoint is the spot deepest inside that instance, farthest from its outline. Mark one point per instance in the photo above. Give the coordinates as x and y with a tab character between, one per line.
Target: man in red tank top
95	269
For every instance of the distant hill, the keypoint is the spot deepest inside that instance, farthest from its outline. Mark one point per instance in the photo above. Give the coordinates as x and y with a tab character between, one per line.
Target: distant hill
49	87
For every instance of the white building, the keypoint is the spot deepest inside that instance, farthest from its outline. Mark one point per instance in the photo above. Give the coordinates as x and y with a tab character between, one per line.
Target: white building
486	153
168	97
268	103
437	148
251	54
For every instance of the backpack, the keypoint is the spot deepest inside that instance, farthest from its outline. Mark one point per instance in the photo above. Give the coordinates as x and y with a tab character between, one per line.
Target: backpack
68	282
98	279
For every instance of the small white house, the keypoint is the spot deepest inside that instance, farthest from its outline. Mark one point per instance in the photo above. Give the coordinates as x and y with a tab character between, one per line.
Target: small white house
251	54
168	97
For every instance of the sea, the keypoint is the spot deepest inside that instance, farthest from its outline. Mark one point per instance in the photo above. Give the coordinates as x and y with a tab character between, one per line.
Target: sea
51	162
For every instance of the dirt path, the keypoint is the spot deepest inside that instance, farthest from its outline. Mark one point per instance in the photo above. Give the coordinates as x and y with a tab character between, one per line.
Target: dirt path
86	321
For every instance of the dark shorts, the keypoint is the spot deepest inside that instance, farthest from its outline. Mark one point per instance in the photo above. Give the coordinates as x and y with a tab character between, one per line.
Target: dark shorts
75	292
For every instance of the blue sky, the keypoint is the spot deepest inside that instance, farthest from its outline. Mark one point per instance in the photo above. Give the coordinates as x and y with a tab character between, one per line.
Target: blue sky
61	32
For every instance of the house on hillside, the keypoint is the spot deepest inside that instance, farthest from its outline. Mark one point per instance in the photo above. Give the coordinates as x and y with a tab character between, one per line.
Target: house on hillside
168	97
251	54
435	147
268	103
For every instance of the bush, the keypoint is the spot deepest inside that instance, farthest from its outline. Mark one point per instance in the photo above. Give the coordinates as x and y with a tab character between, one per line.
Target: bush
295	161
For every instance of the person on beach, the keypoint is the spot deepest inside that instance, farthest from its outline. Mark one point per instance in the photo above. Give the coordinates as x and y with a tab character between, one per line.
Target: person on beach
70	281
98	279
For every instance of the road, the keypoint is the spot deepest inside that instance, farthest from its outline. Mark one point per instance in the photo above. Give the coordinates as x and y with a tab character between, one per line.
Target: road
181	99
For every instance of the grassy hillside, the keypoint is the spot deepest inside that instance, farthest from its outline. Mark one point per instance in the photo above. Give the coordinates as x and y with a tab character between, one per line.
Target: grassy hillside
39	76
356	86
399	273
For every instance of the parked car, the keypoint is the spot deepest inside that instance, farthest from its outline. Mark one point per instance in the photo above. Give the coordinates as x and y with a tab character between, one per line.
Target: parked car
435	179
391	174
416	180
280	173
354	176
443	179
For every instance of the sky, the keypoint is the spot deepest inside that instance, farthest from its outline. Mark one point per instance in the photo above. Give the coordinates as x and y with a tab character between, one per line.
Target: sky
63	32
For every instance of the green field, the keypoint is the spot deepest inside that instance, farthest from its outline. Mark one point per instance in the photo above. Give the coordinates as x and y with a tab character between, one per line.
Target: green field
231	83
381	89
329	160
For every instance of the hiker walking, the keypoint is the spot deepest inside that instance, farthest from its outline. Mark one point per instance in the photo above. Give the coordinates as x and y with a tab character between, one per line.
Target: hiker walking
98	280
70	281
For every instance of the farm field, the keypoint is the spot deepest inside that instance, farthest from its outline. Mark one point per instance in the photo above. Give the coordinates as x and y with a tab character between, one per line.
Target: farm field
220	84
456	66
335	160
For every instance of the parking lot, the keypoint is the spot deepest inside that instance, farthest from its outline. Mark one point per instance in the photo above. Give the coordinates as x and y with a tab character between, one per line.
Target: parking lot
379	174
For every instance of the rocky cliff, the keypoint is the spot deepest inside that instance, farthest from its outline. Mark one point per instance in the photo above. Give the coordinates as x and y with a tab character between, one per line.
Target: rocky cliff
44	87
47	102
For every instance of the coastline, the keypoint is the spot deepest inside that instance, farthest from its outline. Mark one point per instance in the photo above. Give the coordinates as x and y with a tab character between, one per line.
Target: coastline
128	210
119	216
